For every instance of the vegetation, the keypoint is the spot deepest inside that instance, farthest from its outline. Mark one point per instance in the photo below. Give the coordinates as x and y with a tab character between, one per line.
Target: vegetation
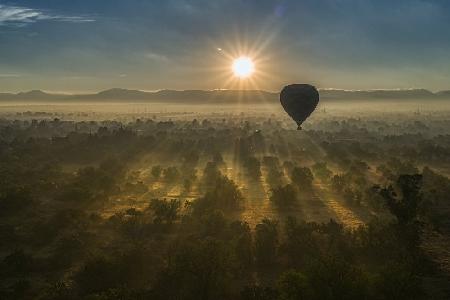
302	177
284	196
223	209
165	211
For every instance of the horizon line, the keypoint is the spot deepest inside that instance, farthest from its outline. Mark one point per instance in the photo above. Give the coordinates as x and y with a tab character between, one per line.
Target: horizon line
55	92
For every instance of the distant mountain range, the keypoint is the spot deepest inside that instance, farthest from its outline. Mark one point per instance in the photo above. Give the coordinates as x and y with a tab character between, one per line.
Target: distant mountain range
217	96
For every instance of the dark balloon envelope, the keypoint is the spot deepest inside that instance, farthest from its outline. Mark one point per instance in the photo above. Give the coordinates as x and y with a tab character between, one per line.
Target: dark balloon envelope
299	101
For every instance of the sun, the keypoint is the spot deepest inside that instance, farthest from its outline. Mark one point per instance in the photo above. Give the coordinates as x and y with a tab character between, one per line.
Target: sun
243	67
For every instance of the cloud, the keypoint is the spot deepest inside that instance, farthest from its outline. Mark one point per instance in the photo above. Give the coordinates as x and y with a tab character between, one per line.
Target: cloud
156	57
22	16
78	77
9	75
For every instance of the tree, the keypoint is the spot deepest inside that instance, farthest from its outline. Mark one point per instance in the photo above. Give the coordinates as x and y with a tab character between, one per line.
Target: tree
211	173
165	211
257	292
399	282
253	167
352	196
274	177
266	242
59	290
197	269
288	166
112	166
302	177
332	277
213	223
98	275
187	184
241	239
372	197
218	158
271	162
358	167
191	158
405	209
321	171
18	263
293	285
300	246
156	171
224	195
14	199
284	196
338	183
171	174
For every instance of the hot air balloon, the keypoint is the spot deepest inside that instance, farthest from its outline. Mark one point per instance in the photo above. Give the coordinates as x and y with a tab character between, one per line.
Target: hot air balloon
299	101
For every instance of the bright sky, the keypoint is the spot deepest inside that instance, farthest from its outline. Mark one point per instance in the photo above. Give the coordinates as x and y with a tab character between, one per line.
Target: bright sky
90	45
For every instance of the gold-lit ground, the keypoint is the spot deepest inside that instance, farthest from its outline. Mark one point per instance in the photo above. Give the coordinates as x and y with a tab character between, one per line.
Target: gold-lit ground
321	206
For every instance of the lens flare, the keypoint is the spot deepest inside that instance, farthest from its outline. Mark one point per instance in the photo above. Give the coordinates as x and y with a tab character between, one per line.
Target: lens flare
243	67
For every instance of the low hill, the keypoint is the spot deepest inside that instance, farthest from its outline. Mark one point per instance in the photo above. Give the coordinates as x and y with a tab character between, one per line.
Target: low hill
217	96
